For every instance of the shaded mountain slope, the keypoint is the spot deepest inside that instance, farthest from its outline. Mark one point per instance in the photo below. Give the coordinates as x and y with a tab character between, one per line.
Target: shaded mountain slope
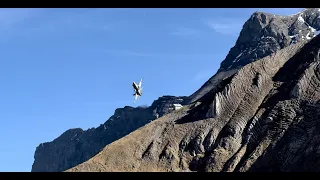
263	118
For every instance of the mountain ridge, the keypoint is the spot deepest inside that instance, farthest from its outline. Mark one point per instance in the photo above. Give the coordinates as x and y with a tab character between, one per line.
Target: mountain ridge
76	145
261	119
263	34
271	32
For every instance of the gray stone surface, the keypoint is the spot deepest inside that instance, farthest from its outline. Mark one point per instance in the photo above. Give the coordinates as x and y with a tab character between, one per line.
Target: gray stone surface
75	146
261	35
266	117
237	115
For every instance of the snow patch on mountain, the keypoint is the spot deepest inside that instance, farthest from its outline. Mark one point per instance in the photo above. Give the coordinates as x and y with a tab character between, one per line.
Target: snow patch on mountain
300	19
312	29
308	36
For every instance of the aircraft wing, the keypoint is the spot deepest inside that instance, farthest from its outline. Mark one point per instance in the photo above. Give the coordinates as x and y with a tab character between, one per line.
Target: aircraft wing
134	85
140	83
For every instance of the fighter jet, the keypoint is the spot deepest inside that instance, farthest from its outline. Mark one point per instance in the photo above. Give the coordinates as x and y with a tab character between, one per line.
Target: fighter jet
137	90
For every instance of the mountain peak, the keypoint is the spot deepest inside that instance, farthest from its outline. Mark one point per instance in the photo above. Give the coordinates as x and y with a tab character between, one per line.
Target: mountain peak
265	33
261	35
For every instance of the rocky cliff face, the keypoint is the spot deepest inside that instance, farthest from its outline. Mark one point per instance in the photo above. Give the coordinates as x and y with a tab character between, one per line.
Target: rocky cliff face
199	141
265	117
76	145
265	33
261	35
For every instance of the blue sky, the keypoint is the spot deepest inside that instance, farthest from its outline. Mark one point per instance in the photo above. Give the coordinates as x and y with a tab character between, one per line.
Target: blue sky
68	68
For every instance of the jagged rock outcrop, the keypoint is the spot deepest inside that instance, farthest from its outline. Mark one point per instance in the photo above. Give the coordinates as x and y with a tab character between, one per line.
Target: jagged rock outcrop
76	145
261	35
265	117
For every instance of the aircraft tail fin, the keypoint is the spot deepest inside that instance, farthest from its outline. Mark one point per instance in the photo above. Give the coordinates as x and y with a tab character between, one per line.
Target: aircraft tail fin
135	97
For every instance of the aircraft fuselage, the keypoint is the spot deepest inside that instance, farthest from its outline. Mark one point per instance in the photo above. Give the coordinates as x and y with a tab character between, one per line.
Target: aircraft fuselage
136	89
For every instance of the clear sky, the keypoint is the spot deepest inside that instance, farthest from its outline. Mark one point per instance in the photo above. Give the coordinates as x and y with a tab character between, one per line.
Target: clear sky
68	68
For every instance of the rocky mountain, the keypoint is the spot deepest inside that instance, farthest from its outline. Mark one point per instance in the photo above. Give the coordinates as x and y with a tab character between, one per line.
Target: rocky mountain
265	117
263	36
76	145
266	33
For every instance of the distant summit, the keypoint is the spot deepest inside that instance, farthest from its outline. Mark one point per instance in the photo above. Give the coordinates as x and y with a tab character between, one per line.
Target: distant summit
263	34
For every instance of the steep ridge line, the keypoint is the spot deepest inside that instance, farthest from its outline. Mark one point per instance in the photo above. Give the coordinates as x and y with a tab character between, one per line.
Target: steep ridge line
262	35
220	142
76	145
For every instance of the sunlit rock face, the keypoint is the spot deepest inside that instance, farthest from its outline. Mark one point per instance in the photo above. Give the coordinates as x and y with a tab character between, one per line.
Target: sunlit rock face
265	117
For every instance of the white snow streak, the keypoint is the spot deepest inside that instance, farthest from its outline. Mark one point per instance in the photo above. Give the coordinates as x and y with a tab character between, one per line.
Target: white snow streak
238	55
312	29
300	19
296	35
308	37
